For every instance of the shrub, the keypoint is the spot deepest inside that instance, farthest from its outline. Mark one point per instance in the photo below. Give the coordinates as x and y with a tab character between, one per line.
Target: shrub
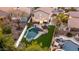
69	34
6	29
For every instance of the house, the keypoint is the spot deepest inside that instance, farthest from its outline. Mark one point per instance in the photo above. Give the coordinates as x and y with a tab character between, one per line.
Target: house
21	13
73	22
27	10
3	14
6	9
77	8
14	9
58	10
18	23
74	14
42	14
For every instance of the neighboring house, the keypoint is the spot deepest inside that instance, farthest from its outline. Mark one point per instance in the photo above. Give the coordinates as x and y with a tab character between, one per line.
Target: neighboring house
6	9
27	10
74	14
18	22
57	11
67	7
71	43
42	14
21	11
73	22
14	9
19	19
23	21
77	8
3	14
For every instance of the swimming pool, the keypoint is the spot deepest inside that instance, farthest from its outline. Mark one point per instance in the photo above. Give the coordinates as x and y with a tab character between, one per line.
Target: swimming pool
70	46
67	45
31	33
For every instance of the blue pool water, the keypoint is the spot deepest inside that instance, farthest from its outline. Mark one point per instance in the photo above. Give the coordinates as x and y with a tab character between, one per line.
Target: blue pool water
70	46
31	33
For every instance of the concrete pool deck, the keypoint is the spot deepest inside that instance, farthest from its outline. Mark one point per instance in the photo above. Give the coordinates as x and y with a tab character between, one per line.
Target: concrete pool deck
20	38
68	43
68	38
37	33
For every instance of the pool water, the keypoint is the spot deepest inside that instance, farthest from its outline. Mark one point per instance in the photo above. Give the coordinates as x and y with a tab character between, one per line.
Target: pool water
70	46
31	33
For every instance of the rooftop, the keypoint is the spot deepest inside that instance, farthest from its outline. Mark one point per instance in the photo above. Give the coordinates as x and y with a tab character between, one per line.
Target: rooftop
47	10
74	14
2	13
73	22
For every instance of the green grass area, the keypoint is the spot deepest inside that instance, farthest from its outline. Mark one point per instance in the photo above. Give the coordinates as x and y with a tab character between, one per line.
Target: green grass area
46	38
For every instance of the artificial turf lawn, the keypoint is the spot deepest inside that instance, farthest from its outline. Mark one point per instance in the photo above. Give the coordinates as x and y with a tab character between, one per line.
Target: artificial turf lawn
46	38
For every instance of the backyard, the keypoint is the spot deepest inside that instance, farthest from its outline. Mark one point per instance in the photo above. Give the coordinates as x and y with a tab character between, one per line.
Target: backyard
43	41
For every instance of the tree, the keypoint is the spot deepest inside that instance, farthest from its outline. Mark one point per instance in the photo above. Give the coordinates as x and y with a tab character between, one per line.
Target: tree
6	29
36	8
61	8
6	40
18	23
9	17
36	47
1	22
72	9
63	18
24	14
56	20
31	46
7	43
69	34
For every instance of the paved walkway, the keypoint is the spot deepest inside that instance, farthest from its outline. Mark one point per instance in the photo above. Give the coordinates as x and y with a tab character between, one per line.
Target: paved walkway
21	36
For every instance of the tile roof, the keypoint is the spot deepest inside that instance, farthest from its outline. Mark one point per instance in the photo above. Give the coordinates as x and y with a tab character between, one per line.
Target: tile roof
22	9
47	10
73	22
74	13
3	14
